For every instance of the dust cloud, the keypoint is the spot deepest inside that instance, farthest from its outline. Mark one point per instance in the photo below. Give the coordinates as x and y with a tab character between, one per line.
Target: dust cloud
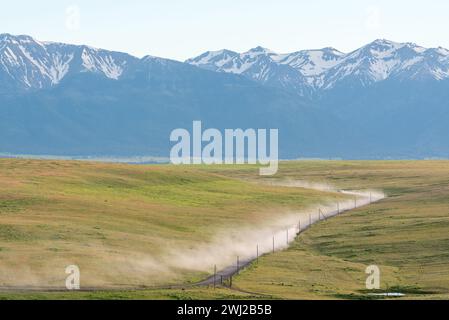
136	268
248	242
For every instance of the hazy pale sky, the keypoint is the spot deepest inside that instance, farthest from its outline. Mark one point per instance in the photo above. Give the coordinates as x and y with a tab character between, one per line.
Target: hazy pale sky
180	29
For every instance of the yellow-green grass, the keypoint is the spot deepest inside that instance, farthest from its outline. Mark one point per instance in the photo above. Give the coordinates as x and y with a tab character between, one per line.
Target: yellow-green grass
406	235
201	293
116	221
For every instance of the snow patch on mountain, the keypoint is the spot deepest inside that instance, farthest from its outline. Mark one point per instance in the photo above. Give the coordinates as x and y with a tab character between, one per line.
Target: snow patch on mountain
311	62
325	68
99	61
31	64
36	65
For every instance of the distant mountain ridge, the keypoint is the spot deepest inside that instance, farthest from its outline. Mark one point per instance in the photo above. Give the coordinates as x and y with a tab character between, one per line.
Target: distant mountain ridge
326	68
384	100
34	65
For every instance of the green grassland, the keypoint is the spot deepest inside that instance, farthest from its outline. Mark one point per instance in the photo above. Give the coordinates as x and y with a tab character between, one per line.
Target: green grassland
116	221
75	211
406	235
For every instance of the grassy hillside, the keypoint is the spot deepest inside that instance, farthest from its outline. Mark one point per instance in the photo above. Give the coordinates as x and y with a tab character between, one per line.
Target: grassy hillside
406	235
139	208
123	225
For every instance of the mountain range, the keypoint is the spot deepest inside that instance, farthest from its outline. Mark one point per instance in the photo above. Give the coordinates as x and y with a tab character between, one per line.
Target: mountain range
325	69
384	100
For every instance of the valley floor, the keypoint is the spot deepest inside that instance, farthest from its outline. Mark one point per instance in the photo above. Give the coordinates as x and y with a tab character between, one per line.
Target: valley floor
89	213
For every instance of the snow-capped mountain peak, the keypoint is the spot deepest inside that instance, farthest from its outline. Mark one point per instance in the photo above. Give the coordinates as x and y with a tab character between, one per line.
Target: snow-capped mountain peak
257	51
213	60
312	62
325	68
35	65
27	63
